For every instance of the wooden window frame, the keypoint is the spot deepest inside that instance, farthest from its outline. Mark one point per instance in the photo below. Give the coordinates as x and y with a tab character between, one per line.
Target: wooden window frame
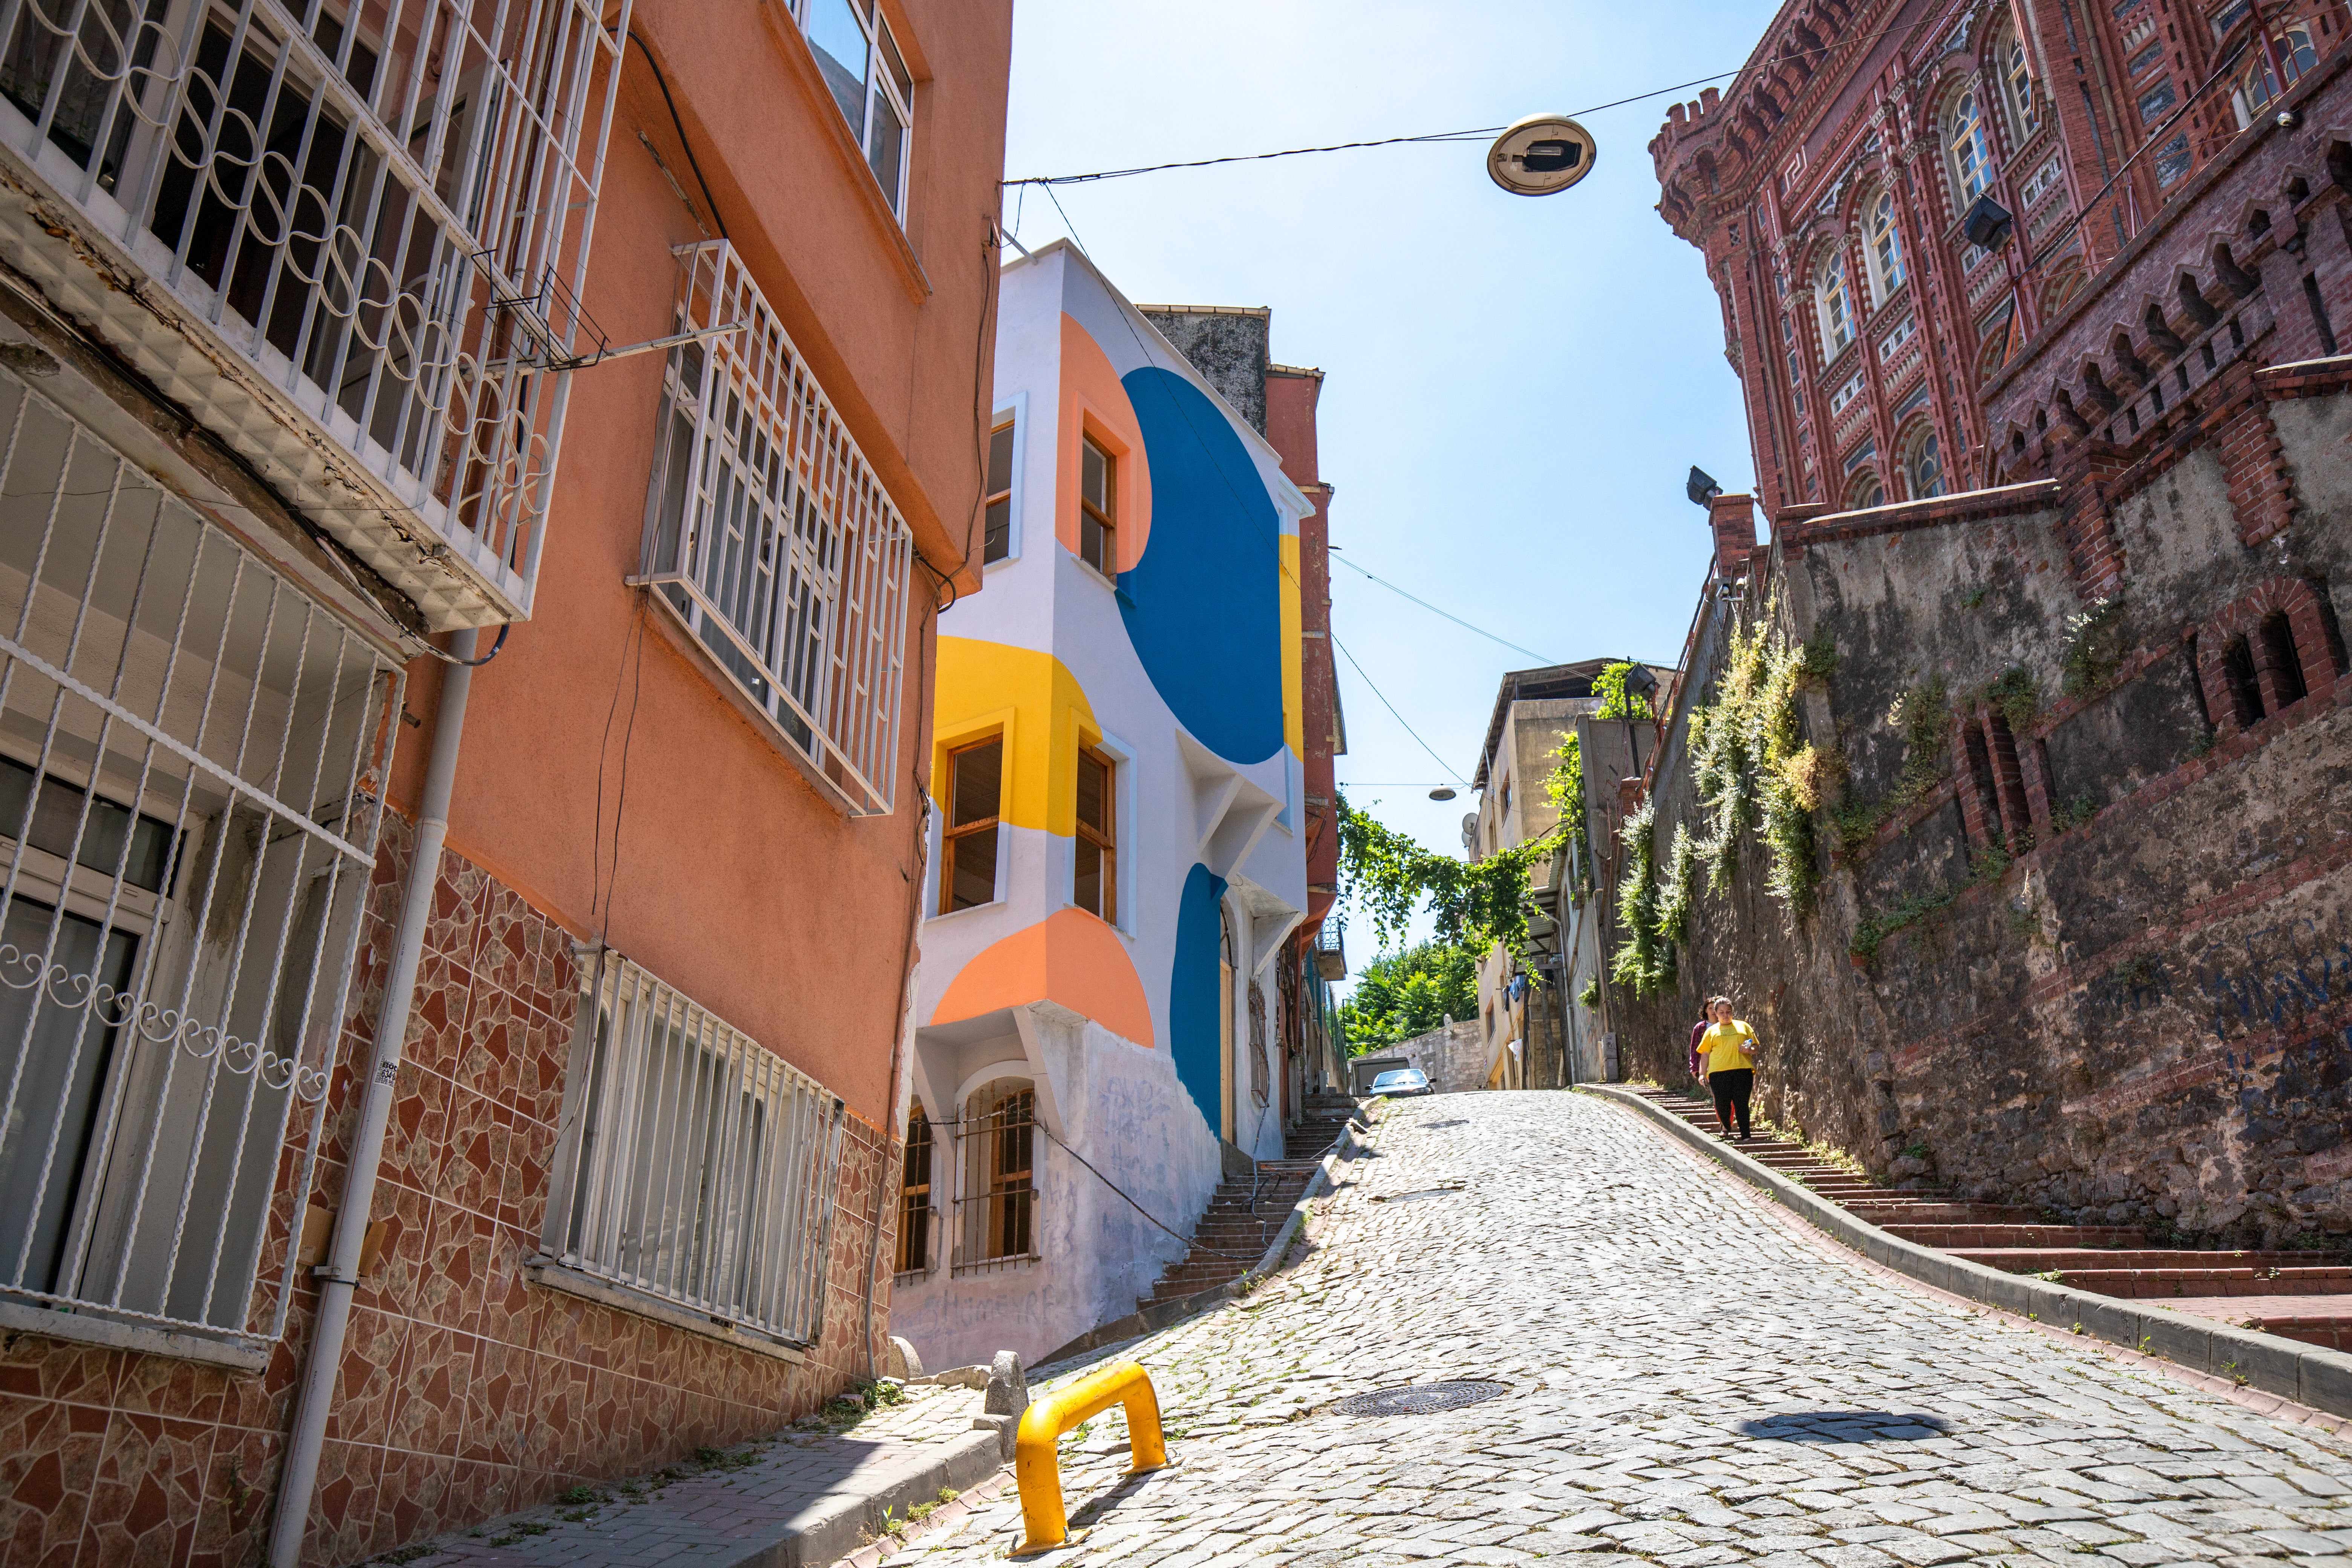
1104	839
994	545
1104	518
915	1196
950	830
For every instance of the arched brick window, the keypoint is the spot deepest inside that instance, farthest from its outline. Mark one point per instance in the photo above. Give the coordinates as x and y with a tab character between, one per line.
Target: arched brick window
2267	652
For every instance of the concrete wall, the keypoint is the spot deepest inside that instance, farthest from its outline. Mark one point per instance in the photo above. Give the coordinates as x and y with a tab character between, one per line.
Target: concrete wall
1456	1058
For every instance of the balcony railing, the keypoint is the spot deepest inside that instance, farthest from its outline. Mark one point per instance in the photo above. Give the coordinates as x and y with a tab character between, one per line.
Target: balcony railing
348	238
768	535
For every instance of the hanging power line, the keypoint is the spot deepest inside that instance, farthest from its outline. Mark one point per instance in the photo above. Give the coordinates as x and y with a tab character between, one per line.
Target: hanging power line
1433	610
1397	716
1049	181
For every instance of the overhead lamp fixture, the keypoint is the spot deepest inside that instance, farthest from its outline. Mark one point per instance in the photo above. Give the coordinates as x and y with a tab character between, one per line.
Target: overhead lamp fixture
1987	224
1443	792
1640	682
1701	486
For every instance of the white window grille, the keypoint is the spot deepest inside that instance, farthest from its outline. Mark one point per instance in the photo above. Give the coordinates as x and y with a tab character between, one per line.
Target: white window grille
997	1149
382	209
1901	333
191	753
696	1166
768	534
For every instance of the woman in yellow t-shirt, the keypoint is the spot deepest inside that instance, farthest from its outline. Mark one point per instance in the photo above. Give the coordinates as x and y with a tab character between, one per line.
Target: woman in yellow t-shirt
1728	1060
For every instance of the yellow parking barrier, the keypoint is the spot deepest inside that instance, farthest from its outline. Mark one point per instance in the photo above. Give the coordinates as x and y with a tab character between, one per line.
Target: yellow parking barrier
1036	1464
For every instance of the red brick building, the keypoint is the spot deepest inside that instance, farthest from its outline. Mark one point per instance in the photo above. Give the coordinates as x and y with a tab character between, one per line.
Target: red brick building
1830	187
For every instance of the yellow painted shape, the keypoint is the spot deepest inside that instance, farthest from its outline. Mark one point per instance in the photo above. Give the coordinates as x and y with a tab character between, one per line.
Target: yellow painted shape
1032	699
1294	627
1037	1467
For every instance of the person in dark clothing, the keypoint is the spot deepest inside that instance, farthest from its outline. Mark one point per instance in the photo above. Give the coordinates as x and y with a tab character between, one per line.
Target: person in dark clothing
1730	1048
1699	1032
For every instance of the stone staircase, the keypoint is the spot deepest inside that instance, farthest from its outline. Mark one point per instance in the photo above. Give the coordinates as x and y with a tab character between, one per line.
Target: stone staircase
2305	1296
1247	1212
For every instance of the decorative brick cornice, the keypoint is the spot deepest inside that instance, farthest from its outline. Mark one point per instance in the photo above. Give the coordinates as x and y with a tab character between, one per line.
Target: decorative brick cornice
1903	517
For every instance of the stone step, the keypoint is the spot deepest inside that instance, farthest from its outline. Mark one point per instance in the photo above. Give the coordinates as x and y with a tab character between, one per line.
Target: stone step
2042	1259
1927	1211
2140	1284
1953	1236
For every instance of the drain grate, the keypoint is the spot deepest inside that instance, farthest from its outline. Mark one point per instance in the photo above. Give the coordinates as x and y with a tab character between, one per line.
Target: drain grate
1420	1398
1433	1126
1444	1192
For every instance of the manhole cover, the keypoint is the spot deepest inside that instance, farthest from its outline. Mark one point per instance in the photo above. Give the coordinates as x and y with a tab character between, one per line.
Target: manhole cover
1424	1193
1420	1398
1457	1121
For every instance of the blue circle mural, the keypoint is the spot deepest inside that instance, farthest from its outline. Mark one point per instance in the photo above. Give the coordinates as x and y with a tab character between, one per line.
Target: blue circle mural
1202	606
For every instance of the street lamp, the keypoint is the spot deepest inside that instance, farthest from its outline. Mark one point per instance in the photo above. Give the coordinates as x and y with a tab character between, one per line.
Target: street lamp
1701	486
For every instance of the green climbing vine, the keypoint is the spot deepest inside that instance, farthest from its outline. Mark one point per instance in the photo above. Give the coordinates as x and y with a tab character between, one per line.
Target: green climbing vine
1645	958
1474	904
1564	787
1753	770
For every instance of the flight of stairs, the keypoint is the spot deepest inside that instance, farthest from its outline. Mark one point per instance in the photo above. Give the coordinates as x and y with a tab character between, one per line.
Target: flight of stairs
2305	1296
1233	1231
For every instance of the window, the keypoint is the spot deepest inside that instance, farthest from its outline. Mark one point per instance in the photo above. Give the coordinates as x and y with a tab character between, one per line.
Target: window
701	1167
1883	247
1924	470
975	787
997	1221
768	535
2016	77
2238	676
915	1195
2277	652
2172	161
1836	309
998	539
178	912
2258	86
2229	16
1094	882
1864	491
861	64
1098	508
1971	149
2156	101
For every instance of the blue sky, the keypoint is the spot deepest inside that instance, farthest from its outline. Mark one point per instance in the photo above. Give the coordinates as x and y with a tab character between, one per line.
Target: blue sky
1515	388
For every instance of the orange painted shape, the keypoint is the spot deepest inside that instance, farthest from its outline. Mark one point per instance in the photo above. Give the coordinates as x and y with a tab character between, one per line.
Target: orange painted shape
1094	403
1071	958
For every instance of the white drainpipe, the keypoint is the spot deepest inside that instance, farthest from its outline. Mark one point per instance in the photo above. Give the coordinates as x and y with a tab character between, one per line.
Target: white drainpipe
340	1273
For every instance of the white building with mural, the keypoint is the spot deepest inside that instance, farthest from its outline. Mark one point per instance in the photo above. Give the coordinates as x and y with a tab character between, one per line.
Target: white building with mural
1118	852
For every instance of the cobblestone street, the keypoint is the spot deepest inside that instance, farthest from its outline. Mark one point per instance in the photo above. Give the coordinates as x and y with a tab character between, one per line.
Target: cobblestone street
1691	1382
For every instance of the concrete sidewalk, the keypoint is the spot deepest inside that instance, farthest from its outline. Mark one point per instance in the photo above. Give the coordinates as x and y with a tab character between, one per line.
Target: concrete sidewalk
806	1497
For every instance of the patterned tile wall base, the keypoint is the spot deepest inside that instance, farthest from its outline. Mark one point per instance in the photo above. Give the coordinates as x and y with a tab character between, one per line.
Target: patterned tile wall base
465	1391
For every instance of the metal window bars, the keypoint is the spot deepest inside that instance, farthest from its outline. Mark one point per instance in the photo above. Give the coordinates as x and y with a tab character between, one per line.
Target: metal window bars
191	758
382	207
996	1147
768	534
915	1197
694	1165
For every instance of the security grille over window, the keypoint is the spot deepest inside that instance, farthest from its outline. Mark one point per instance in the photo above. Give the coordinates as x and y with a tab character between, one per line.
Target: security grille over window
997	1217
697	1166
382	213
915	1197
191	753
769	534
1260	1071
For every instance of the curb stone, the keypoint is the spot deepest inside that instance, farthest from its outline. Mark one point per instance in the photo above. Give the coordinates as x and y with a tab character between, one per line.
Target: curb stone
1347	1147
2307	1375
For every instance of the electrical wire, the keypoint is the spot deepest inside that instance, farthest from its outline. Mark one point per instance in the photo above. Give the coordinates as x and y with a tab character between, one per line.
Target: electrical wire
691	161
470	663
1394	714
1050	180
1433	610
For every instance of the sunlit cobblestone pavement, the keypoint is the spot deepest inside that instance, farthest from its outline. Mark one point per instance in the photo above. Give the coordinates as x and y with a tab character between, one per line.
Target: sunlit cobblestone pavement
1691	1385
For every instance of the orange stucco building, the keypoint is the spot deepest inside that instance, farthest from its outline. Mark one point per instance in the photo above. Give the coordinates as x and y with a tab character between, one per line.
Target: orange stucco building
431	1087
